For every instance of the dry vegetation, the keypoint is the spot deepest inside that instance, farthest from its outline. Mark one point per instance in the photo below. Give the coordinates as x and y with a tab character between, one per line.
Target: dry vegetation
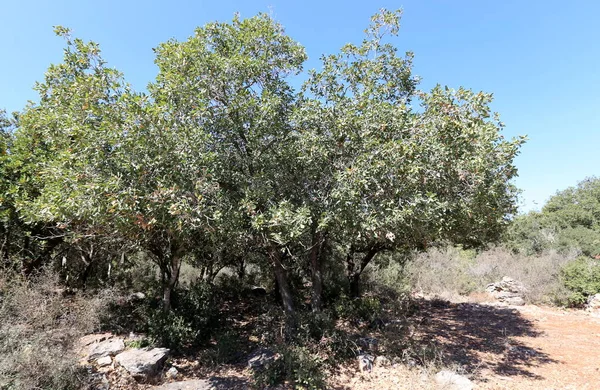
451	271
39	321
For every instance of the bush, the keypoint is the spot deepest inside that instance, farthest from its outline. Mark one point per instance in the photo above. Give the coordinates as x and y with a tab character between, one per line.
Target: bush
38	326
295	364
581	277
389	275
191	322
452	271
440	271
364	308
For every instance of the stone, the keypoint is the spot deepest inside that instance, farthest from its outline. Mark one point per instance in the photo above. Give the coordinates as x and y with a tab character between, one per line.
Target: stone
104	361
172	373
260	358
593	302
138	296
142	362
193	384
110	347
506	285
382	361
514	301
449	380
213	383
82	345
365	362
508	291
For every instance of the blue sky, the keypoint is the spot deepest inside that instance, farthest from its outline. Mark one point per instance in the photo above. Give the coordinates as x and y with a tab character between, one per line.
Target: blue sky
539	58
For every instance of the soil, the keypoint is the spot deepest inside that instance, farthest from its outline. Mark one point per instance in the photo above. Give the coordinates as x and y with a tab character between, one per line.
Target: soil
494	345
499	347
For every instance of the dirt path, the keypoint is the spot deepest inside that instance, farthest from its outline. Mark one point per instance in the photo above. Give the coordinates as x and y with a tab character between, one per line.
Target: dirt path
526	347
499	347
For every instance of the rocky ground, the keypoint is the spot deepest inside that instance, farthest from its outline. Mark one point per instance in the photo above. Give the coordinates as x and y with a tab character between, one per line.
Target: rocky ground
477	342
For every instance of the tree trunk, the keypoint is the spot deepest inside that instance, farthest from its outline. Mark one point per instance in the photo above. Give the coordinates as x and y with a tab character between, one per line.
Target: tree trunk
284	291
170	282
317	276
241	269
354	280
353	273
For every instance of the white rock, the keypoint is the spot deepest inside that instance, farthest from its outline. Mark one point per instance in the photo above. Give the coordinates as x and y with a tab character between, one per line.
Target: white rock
261	358
108	347
593	302
449	380
365	362
515	301
104	361
172	373
90	339
193	384
142	361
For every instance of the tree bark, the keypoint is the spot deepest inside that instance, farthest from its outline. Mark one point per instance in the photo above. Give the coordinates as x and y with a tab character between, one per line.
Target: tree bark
317	276
241	269
284	291
354	280
171	281
353	273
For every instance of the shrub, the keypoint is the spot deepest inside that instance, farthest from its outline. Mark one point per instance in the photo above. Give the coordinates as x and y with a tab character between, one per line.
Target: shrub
364	308
389	275
192	320
440	271
295	364
452	271
581	277
37	328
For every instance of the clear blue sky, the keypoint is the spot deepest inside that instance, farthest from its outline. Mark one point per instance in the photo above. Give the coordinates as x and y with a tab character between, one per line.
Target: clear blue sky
539	58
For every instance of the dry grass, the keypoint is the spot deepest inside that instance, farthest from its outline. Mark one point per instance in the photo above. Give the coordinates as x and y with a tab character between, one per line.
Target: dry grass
38	324
452	271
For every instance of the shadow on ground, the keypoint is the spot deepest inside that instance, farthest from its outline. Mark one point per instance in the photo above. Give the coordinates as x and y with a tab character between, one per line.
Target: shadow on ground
213	383
477	337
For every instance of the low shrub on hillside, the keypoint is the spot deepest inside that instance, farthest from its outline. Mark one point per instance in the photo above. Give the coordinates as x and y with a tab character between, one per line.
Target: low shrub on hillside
452	271
581	277
38	325
296	365
193	318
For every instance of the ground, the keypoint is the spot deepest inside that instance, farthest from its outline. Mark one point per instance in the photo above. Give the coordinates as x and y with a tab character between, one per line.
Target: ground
527	347
496	346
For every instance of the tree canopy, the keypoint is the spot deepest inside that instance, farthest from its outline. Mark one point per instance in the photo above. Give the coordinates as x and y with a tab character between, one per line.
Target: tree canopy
222	159
570	220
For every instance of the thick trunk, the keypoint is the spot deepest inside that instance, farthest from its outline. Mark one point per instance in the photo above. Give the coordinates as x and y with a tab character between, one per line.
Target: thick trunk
317	276
284	291
170	282
354	280
353	272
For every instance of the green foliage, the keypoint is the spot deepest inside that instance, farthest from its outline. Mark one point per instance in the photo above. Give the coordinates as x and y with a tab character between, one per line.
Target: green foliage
295	364
582	278
191	322
570	220
222	163
364	308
